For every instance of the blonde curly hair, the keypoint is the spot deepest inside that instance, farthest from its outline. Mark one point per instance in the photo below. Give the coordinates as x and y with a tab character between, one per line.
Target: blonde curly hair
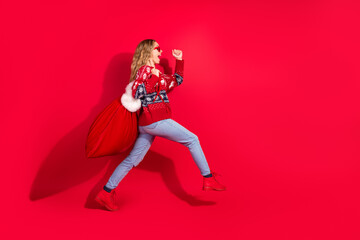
141	56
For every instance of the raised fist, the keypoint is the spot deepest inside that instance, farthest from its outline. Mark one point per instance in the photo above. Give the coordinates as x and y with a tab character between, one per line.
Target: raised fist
177	54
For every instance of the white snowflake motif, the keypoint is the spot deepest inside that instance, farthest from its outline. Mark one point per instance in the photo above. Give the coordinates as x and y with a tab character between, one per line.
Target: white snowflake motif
162	81
140	90
148	99
144	77
171	84
134	86
148	69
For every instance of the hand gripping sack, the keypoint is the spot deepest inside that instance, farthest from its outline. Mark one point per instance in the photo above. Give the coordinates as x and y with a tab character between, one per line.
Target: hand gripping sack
116	128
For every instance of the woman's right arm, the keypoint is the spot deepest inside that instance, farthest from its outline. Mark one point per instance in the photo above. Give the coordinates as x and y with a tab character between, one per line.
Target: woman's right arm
175	80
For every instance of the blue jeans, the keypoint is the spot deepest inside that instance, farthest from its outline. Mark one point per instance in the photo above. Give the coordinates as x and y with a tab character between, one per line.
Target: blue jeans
168	129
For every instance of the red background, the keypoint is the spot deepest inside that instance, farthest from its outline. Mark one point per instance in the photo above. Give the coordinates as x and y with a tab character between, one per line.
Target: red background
271	88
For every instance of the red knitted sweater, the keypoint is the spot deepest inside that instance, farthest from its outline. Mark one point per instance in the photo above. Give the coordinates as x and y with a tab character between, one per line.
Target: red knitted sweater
152	91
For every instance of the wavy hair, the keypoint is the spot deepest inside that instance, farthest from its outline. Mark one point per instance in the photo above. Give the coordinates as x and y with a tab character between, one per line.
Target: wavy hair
141	56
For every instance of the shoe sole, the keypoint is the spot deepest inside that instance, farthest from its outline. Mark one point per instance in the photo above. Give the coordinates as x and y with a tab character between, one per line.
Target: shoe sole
101	202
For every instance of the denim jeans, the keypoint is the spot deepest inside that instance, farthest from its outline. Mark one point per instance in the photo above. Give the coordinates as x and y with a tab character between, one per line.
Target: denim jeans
168	129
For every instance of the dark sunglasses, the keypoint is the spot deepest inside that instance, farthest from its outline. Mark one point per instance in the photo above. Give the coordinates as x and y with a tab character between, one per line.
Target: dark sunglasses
158	48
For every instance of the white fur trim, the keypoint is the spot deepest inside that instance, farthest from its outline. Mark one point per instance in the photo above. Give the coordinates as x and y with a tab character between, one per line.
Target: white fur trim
128	101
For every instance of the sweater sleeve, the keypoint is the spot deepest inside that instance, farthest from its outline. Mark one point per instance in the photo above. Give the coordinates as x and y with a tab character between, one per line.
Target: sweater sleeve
175	80
138	89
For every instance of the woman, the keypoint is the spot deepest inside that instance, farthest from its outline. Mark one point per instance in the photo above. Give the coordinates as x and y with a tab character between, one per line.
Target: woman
151	87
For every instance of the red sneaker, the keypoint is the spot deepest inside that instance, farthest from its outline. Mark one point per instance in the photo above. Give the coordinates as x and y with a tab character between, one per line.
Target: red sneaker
107	199
211	183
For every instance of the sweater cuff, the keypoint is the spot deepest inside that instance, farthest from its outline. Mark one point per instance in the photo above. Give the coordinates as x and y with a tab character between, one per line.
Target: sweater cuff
179	67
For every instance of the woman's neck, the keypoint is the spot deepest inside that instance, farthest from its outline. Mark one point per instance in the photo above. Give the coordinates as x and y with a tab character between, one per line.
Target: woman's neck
150	63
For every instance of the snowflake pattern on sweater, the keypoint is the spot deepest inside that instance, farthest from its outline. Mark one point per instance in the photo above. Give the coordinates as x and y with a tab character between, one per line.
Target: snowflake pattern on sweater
152	91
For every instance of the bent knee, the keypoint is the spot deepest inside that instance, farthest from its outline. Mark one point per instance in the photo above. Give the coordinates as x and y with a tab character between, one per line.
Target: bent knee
193	138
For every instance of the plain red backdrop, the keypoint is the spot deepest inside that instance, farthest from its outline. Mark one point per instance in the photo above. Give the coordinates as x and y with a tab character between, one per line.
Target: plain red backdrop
271	88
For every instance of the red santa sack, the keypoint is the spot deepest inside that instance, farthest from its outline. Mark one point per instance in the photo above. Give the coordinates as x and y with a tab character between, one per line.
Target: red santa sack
116	128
